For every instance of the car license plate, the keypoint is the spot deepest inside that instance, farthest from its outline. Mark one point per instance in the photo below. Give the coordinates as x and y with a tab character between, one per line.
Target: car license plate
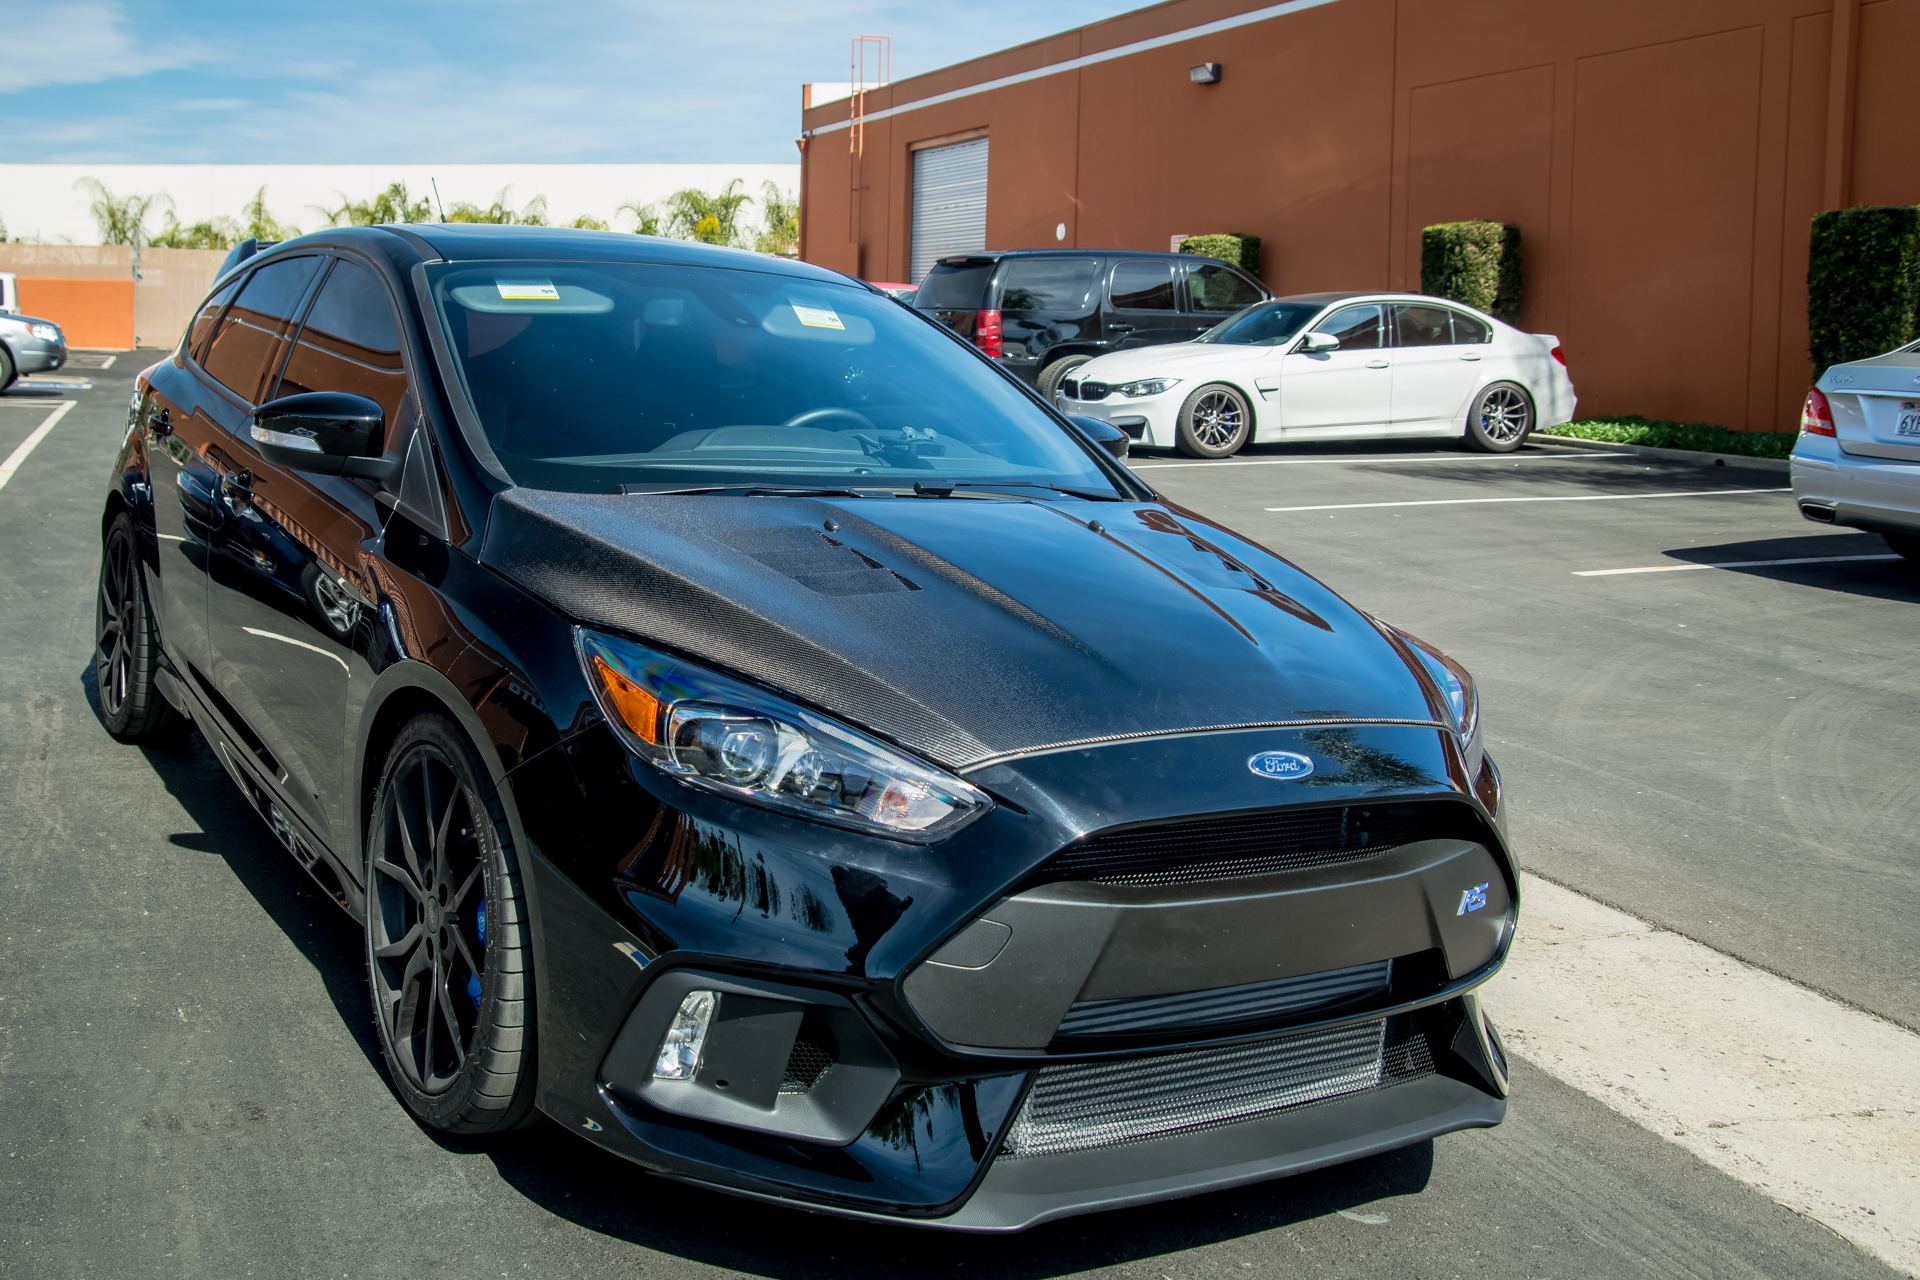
1909	423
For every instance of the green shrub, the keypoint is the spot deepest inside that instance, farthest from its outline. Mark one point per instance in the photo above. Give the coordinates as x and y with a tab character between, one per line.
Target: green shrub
1863	283
1657	433
1242	251
1477	263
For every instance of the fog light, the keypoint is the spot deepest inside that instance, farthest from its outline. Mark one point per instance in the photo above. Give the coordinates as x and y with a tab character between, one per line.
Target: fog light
680	1050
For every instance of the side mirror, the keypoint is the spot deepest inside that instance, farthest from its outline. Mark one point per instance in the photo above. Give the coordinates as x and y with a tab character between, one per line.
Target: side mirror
330	433
1104	434
1315	342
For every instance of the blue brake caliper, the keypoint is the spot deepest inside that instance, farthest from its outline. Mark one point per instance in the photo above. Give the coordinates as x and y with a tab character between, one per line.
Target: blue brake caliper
473	979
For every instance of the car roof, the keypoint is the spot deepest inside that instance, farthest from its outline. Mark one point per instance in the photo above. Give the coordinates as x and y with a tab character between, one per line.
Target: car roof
989	255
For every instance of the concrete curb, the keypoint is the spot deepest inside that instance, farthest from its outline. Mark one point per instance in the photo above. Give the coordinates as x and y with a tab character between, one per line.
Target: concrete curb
1671	455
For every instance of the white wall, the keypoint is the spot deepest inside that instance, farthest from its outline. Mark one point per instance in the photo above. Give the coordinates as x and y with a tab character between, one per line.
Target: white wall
39	202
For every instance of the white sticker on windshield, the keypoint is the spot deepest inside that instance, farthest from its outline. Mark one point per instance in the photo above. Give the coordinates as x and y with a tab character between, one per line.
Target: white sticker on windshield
818	317
539	290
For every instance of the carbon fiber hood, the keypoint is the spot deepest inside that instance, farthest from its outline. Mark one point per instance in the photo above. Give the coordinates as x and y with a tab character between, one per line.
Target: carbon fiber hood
964	629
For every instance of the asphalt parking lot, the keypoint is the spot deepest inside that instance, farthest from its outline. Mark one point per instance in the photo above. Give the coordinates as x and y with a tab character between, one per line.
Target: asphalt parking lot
191	1084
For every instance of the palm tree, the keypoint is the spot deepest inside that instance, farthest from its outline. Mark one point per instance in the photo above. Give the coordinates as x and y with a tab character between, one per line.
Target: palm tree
120	218
692	214
392	205
647	217
262	225
782	234
534	215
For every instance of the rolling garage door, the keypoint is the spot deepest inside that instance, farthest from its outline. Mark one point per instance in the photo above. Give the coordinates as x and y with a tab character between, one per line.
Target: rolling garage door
949	203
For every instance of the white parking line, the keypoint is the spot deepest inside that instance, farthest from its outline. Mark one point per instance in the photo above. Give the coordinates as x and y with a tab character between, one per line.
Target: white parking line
1359	462
19	455
1814	1103
1580	497
1725	564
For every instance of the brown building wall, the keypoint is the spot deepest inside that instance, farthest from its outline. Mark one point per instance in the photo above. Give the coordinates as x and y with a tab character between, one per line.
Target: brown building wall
1663	158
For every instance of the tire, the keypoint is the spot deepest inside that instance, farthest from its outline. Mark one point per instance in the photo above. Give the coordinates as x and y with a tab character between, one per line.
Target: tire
126	643
1049	380
1214	422
6	369
1501	418
1906	544
449	949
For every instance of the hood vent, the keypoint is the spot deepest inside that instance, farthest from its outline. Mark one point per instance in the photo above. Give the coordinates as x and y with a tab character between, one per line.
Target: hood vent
818	562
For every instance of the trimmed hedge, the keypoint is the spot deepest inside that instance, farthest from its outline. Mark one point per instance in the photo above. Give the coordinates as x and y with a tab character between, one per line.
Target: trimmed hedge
1242	251
1863	283
1477	263
1656	433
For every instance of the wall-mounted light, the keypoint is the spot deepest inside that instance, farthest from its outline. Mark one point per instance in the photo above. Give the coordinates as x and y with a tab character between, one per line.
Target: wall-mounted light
1205	73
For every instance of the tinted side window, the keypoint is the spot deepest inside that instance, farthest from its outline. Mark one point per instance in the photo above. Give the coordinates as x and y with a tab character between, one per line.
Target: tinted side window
1358	328
247	349
1468	328
1047	284
961	287
1143	285
203	322
1415	325
349	342
1213	288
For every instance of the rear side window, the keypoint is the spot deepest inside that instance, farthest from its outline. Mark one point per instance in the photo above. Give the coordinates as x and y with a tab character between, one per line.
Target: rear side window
246	352
349	343
1048	284
959	286
203	323
1217	288
1143	285
1415	325
1468	328
1358	328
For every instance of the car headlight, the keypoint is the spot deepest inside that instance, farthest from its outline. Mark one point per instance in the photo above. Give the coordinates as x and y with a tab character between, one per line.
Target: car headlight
1456	686
45	332
1148	387
726	736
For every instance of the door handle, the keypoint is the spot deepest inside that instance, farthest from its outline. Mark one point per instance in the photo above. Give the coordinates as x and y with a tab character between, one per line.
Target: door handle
160	422
1469	355
1121	328
238	488
1379	364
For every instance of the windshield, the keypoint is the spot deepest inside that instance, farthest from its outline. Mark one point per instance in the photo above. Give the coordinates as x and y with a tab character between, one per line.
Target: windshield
590	376
1265	324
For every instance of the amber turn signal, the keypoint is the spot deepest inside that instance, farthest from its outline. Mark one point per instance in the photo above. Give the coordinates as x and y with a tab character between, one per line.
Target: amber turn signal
634	705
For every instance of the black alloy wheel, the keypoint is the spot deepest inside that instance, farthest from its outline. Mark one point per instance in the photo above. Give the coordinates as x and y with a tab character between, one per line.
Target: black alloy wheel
1214	422
126	644
449	957
1501	418
1048	383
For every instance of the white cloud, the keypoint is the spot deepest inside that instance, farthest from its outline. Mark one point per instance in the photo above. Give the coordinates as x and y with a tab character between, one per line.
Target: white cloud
83	43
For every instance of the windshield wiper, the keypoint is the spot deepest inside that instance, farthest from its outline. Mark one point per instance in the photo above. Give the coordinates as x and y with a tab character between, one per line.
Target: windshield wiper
749	491
1092	495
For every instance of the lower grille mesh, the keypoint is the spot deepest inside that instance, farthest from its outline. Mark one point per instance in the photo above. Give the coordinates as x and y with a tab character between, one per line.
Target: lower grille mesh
1109	1104
1251	1002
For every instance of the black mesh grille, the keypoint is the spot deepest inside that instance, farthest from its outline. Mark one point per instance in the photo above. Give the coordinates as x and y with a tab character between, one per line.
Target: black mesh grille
1251	844
1093	390
814	1050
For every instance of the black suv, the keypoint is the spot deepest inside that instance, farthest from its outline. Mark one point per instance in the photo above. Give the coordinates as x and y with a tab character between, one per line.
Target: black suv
1044	312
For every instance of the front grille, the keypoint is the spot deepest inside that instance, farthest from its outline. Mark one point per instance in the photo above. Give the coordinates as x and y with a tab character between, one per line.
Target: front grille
1070	388
1252	844
1090	390
1225	1006
1111	1104
814	1051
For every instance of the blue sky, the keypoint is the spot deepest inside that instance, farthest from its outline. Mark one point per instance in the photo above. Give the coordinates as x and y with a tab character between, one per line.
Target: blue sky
581	81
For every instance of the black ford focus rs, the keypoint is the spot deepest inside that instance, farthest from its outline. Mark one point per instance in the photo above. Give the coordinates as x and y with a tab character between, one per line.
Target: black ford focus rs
765	738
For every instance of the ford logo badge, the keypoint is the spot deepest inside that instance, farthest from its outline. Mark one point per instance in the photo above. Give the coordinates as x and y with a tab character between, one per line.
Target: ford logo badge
1280	764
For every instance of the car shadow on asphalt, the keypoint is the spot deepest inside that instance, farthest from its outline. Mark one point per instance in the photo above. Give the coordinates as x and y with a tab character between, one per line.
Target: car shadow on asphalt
1875	579
602	1192
231	831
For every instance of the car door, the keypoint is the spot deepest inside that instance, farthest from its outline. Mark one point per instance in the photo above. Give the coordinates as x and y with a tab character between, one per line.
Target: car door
1349	388
1434	371
1045	301
1141	308
286	616
181	486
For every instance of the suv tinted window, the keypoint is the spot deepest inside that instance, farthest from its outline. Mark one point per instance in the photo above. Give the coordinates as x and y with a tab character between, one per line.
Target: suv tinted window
349	343
1358	328
1047	284
1217	288
252	338
1143	285
1415	325
961	286
1468	328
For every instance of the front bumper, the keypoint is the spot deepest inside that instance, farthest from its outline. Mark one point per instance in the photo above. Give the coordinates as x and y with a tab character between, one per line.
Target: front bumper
36	356
1152	421
893	963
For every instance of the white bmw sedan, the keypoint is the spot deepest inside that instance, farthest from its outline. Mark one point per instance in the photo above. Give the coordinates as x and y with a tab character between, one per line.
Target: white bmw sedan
1331	366
1857	462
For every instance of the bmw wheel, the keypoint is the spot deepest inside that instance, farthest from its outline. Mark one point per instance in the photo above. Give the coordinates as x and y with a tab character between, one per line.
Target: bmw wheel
449	955
1501	418
126	644
1214	422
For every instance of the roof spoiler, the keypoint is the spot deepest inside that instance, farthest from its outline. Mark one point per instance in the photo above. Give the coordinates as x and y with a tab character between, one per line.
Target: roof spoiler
241	252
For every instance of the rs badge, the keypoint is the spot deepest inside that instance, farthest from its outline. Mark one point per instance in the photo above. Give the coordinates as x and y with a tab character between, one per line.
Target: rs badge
1472	899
